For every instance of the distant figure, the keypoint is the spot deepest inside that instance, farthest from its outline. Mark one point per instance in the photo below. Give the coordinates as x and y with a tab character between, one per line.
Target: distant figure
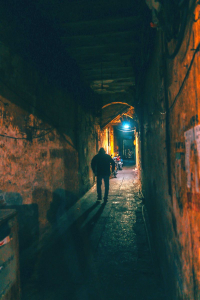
100	165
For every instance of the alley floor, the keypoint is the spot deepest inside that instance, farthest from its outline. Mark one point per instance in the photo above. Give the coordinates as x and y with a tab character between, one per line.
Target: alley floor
100	251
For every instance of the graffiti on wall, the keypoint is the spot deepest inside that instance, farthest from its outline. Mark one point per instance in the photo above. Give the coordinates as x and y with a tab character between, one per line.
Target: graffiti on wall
192	157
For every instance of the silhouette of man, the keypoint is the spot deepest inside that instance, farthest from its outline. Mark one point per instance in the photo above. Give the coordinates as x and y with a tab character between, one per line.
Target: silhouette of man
100	165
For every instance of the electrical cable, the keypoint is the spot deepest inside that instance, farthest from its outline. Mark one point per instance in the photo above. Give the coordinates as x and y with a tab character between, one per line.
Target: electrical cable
183	82
25	138
148	238
185	78
12	137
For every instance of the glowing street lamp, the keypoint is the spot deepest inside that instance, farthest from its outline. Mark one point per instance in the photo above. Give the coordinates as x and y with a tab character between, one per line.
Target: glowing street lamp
126	126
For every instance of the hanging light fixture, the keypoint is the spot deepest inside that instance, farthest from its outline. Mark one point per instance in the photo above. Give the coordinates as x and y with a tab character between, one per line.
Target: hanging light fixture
126	126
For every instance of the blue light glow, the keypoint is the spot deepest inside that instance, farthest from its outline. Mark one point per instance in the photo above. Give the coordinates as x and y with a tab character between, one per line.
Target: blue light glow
126	126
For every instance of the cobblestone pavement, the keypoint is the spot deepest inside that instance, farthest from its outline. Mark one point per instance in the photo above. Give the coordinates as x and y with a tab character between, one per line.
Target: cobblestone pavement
101	251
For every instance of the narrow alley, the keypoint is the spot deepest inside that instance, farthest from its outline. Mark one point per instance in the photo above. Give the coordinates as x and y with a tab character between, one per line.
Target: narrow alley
80	77
100	251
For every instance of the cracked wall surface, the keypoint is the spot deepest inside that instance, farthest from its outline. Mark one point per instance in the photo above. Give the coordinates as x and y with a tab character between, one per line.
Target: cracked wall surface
170	162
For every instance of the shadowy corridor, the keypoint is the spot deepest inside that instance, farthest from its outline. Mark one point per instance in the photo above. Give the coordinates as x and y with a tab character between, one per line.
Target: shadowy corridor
77	76
99	251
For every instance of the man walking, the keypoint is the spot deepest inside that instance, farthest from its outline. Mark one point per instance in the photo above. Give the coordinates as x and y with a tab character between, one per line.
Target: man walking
100	165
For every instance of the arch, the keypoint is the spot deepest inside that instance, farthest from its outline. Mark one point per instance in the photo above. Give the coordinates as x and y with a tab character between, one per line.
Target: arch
112	115
112	103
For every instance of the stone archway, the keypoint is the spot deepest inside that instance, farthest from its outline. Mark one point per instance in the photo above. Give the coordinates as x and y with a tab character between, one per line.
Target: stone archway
113	112
113	115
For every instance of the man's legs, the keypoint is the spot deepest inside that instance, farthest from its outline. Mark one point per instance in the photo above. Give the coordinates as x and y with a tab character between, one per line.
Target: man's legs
106	183
99	182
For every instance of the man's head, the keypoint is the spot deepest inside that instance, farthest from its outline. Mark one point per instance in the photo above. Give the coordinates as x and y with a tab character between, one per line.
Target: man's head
102	151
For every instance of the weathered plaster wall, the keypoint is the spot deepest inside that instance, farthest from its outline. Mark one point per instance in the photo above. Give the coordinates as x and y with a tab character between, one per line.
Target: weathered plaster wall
106	139
47	140
170	162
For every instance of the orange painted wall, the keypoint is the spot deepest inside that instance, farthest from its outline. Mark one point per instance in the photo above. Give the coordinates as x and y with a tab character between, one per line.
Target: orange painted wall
170	162
103	139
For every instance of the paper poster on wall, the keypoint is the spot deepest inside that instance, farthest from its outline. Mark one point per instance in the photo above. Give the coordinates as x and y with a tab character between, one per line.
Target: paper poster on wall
197	136
189	138
192	156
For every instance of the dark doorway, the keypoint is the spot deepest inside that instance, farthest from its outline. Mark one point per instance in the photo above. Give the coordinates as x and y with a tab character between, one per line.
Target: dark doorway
124	142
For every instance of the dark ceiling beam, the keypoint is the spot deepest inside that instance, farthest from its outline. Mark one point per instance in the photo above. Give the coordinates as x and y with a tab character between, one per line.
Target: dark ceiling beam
106	64
115	87
112	87
126	80
84	59
109	92
127	97
114	76
100	9
100	26
113	91
124	84
131	78
106	71
100	39
122	49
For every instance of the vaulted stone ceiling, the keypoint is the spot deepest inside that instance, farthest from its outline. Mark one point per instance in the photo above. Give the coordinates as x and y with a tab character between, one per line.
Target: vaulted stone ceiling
105	37
104	41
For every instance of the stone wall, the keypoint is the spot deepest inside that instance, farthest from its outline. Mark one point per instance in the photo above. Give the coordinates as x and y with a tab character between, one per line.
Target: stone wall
169	118
47	140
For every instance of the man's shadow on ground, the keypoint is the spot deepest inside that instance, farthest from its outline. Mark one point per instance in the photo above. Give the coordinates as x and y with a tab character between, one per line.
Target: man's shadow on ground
89	226
80	220
70	253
